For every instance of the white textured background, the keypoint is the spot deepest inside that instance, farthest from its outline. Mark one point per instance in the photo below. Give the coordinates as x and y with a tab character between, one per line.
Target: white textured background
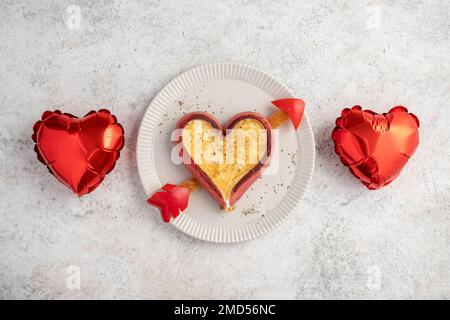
333	54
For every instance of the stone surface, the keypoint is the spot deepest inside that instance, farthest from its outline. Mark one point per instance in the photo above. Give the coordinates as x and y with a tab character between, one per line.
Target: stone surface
344	241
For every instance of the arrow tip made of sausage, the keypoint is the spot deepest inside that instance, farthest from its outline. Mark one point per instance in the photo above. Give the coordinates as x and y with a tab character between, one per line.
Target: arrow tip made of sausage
293	107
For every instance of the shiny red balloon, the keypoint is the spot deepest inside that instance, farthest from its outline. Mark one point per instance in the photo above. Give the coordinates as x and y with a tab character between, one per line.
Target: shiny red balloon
79	152
376	146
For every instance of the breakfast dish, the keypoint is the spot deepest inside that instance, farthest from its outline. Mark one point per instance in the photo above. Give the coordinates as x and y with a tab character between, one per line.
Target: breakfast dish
227	160
224	90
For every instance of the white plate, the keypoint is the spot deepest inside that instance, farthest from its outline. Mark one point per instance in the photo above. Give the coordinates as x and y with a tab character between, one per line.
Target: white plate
225	89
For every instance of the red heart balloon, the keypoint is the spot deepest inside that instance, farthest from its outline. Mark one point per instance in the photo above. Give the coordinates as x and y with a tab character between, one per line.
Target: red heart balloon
376	146
78	151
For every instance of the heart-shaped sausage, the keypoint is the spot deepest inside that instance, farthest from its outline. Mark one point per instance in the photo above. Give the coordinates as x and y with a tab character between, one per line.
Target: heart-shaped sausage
79	152
225	160
376	146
